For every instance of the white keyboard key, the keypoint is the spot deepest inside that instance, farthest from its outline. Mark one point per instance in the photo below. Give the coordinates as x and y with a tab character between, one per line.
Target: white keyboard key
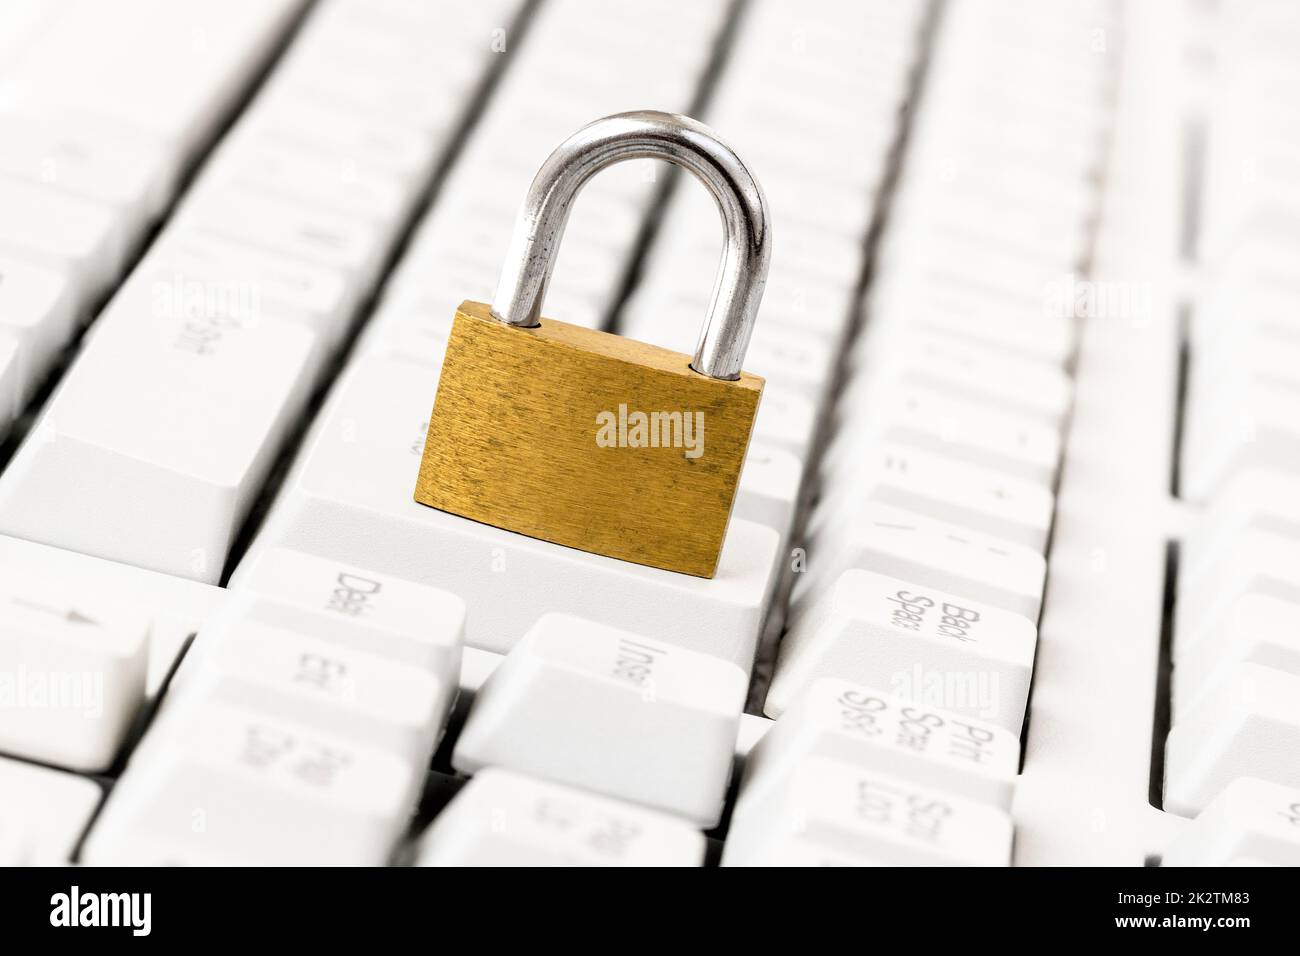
37	308
918	642
349	499
790	360
1228	348
947	237
178	424
1246	725
806	307
1238	426
871	817
787	420
73	159
1255	272
377	704
190	265
395	96
176	606
49	808
349	244
1253	562
335	180
110	104
224	786
1250	820
72	665
505	819
194	312
987	501
921	418
398	36
80	238
857	725
290	117
165	71
657	723
943	312
931	553
1255	499
1254	629
968	372
768	490
355	607
414	330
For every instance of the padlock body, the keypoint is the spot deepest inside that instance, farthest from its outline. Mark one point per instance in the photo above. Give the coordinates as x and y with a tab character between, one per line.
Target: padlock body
586	439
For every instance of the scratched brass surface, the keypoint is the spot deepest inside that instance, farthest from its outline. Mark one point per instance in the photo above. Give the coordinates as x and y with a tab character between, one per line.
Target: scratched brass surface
513	442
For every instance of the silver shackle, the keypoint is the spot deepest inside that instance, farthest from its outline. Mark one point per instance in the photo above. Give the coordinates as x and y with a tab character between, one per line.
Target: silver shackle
747	245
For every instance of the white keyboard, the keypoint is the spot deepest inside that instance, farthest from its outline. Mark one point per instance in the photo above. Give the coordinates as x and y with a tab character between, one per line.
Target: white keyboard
1015	554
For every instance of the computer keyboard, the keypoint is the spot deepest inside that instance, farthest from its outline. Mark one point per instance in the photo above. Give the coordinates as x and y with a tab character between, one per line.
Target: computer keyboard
1013	559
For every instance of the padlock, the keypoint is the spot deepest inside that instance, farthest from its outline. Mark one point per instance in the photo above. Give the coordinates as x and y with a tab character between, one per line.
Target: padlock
585	438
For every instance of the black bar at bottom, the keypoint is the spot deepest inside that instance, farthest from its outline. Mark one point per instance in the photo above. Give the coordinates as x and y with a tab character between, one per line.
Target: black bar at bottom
406	906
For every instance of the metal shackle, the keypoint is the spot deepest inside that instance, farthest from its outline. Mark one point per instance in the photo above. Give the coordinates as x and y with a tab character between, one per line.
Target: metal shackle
747	246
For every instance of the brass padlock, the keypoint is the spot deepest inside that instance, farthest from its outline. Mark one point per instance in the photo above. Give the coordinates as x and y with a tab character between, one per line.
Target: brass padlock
588	439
